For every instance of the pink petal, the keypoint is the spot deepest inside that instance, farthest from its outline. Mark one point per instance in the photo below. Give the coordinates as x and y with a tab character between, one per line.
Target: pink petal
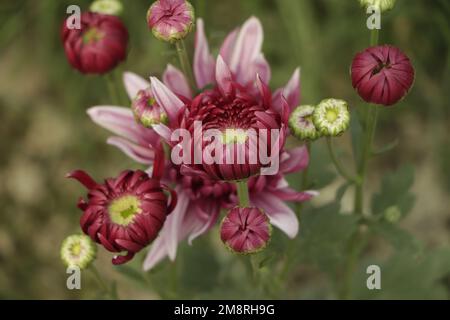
176	81
298	159
133	83
288	194
279	213
226	50
291	91
261	67
223	76
211	211
174	223
203	61
121	121
157	252
166	99
246	50
136	152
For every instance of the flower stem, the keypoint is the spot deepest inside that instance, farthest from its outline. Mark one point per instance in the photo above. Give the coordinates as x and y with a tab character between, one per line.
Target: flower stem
371	122
357	241
103	286
338	164
185	64
113	93
242	192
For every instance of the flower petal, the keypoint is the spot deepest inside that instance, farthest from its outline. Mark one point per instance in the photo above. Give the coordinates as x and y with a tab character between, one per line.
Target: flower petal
297	159
279	213
226	50
203	61
291	91
246	50
121	121
176	81
223	76
166	99
133	83
136	152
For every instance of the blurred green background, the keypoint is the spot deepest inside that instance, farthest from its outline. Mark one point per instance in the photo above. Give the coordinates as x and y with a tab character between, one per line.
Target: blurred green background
45	133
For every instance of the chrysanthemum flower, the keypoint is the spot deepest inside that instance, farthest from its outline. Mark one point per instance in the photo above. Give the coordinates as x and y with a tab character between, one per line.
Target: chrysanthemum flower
301	123
124	214
245	230
170	20
201	198
99	46
382	75
78	250
331	117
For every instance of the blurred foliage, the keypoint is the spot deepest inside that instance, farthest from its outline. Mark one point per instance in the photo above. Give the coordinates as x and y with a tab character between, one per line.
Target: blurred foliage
46	133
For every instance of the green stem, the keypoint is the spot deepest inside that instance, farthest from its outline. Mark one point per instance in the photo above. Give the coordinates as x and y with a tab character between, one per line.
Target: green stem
371	122
374	35
104	287
113	93
185	64
242	192
357	240
305	180
338	164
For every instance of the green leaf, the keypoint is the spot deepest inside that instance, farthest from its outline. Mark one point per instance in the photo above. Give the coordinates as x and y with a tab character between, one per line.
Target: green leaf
340	192
324	236
400	239
395	191
406	276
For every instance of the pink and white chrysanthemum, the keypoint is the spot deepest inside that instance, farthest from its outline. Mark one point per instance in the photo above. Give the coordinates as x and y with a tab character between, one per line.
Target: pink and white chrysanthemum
201	198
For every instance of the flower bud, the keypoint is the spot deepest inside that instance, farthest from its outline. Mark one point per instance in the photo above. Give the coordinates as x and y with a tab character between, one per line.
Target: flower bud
112	7
78	250
245	230
381	5
99	46
146	111
301	123
170	20
392	214
382	75
331	117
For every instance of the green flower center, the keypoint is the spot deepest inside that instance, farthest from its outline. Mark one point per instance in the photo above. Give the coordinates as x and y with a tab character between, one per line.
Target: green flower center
92	35
331	115
123	210
76	249
231	136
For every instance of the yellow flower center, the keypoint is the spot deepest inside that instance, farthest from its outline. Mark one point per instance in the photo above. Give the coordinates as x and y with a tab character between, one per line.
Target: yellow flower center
331	115
234	136
123	210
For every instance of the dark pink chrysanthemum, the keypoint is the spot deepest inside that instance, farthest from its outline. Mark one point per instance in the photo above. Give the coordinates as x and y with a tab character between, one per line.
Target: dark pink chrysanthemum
245	230
170	20
124	214
382	75
98	46
239	117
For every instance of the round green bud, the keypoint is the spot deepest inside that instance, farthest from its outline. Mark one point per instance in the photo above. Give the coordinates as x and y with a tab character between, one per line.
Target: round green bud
331	117
381	5
111	7
78	250
392	214
301	123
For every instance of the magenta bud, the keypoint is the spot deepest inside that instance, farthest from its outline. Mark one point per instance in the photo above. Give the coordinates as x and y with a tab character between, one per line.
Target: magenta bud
245	230
382	75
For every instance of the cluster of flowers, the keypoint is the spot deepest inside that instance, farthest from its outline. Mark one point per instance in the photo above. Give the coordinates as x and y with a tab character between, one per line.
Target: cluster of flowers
231	92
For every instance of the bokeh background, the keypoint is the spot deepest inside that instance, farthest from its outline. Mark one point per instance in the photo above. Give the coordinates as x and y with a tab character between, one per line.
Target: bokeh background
45	133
